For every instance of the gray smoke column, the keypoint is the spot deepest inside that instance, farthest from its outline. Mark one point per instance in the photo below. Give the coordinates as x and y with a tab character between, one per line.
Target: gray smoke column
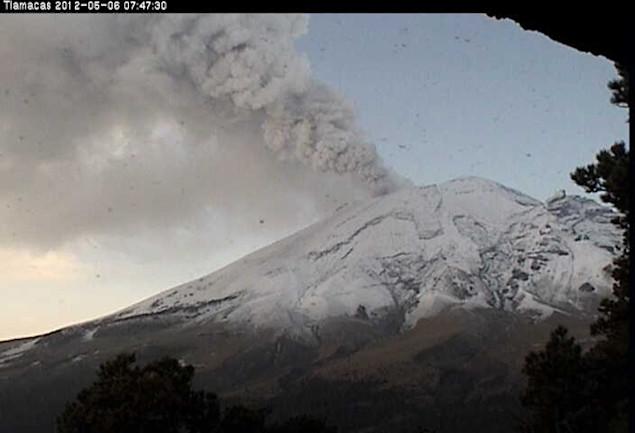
248	63
141	151
116	125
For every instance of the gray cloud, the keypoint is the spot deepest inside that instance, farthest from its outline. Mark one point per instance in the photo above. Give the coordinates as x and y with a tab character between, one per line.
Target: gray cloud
119	125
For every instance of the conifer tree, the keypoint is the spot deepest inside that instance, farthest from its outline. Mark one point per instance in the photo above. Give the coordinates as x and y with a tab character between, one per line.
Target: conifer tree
129	399
592	394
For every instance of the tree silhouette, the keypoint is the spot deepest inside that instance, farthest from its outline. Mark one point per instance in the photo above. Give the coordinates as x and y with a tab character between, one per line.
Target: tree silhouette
567	391
620	87
608	359
241	419
158	398
555	386
303	424
129	399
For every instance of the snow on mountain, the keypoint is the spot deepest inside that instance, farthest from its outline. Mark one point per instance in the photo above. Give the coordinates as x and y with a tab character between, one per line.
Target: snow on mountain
469	242
328	303
17	350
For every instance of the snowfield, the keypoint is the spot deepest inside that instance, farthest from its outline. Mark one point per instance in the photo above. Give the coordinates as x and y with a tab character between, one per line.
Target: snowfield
469	243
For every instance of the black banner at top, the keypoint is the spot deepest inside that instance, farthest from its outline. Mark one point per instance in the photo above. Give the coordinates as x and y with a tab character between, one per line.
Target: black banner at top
174	6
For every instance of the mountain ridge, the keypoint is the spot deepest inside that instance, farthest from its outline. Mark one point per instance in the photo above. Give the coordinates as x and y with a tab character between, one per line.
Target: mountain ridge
416	296
471	241
464	196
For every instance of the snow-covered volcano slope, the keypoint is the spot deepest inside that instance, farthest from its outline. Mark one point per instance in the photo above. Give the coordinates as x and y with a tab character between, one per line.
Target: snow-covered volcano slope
469	242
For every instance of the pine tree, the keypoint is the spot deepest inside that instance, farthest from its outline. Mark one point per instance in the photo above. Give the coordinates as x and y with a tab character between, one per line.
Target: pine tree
573	392
241	419
620	87
608	359
129	399
555	386
158	398
609	176
303	424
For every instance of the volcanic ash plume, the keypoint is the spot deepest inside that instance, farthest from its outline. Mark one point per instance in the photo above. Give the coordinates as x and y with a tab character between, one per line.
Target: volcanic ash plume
250	62
119	124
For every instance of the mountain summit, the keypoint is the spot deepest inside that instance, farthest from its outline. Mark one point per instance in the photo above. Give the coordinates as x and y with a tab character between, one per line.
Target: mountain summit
466	243
402	305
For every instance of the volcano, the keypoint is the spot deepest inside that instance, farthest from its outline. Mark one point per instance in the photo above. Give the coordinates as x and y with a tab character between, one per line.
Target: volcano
468	243
409	304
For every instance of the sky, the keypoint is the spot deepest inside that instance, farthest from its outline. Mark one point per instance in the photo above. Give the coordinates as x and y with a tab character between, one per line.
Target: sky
140	152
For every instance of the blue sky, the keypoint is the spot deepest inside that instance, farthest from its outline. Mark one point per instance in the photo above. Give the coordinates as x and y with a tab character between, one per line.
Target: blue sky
445	95
117	182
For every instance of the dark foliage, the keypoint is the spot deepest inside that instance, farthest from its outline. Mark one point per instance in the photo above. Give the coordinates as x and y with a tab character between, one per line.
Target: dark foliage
609	177
555	387
608	360
126	398
303	424
158	399
241	419
619	87
573	392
